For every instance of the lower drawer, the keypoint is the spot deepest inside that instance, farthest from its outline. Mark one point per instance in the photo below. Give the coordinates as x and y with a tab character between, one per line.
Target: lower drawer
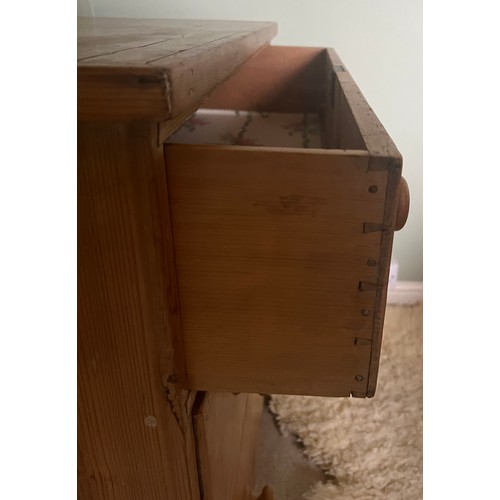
283	253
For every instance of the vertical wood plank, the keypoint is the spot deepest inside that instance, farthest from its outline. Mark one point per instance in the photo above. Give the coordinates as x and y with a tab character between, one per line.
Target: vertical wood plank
227	427
134	432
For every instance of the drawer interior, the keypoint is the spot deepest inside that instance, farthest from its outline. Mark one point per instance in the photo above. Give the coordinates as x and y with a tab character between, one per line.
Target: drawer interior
251	128
282	97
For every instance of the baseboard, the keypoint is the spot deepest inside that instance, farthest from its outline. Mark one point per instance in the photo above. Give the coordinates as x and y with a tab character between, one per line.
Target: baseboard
405	292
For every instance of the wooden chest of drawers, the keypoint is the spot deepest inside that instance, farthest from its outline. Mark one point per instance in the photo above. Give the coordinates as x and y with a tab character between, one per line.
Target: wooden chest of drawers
209	267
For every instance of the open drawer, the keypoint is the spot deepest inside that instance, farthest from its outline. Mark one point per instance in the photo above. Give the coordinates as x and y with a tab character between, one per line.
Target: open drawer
282	253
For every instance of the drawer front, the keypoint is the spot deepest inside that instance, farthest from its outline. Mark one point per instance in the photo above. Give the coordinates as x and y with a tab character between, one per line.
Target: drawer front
283	253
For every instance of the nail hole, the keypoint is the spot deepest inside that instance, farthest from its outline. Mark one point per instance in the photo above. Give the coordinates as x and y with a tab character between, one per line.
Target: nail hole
371	262
359	378
365	312
150	421
373	189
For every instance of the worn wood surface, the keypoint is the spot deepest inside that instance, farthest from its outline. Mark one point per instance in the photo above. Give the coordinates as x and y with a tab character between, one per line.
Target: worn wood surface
227	427
383	151
271	249
383	156
156	69
135	437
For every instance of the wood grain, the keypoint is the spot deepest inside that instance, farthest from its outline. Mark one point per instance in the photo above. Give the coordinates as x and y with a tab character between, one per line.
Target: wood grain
227	427
156	69
135	438
271	250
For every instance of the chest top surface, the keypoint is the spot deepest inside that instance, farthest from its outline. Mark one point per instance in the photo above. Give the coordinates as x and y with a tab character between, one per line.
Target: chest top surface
155	69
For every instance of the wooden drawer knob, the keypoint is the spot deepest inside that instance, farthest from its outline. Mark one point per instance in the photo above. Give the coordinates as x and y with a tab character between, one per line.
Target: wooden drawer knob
403	204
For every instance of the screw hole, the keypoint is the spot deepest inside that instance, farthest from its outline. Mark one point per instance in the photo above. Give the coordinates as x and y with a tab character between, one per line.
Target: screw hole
365	312
371	262
359	378
373	189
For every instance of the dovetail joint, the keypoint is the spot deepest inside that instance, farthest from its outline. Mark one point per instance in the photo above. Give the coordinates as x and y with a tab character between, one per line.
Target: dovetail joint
370	227
357	394
362	341
365	286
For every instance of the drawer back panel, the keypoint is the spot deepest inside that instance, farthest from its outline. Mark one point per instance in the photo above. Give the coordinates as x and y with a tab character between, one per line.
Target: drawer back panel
279	79
290	80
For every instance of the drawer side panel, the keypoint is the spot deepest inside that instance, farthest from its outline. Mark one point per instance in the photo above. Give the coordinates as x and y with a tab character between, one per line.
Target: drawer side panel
271	247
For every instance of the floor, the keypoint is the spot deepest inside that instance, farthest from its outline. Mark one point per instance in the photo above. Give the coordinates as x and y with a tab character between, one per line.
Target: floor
281	463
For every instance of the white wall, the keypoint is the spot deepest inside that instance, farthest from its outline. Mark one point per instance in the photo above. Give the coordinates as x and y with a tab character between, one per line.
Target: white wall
380	42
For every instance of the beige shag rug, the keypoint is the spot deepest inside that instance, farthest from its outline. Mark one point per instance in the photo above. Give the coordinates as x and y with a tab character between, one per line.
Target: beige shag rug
368	448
